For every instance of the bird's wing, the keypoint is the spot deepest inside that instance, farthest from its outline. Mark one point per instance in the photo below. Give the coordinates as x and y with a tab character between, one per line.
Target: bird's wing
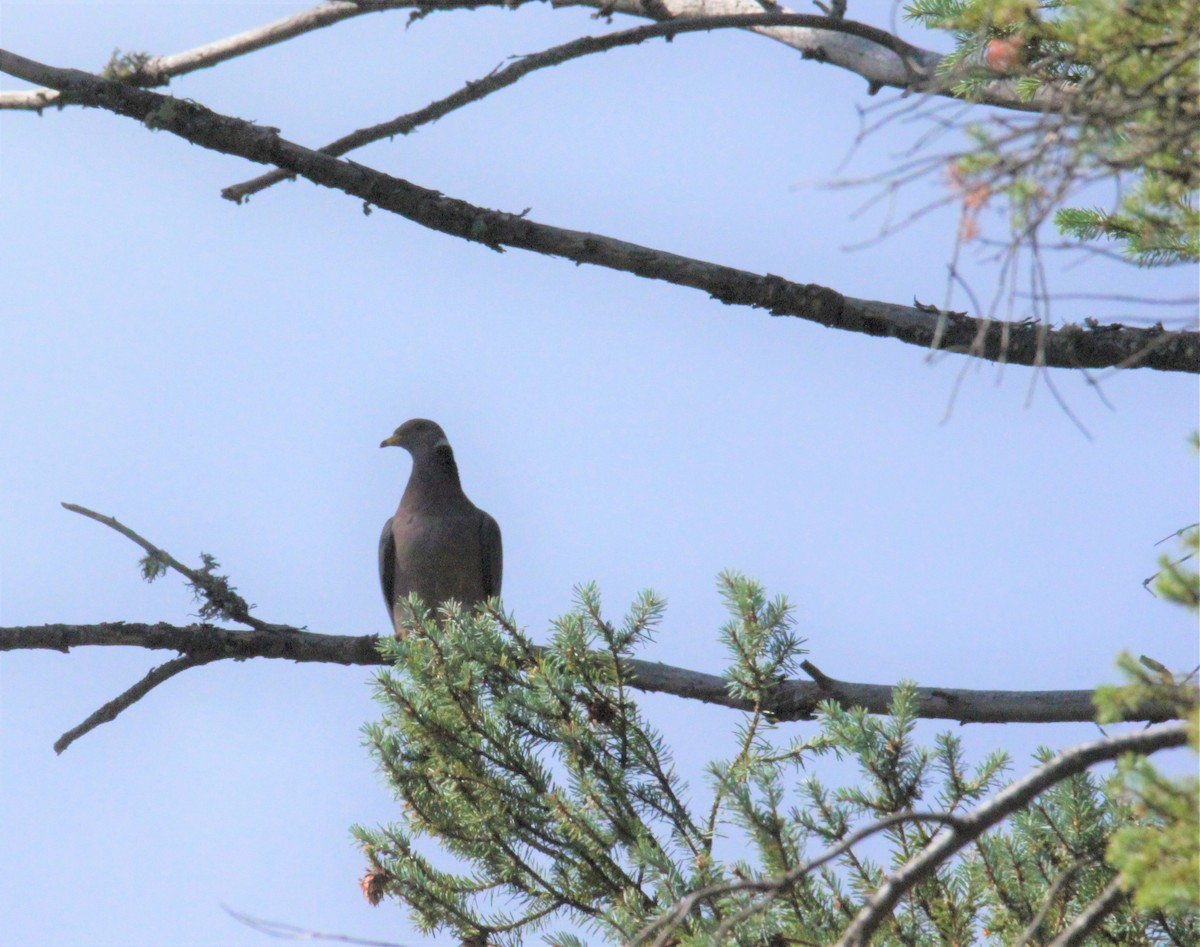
493	554
387	565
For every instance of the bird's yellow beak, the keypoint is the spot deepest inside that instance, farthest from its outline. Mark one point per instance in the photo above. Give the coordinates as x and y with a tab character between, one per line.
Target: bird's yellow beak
392	441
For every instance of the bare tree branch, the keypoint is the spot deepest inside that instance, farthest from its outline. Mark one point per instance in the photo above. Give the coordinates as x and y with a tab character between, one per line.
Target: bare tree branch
878	57
878	64
159	70
109	711
792	700
202	644
221	597
973	824
1091	916
501	78
1018	343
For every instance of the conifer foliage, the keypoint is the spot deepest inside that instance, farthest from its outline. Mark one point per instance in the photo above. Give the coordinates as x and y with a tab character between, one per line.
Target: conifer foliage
535	769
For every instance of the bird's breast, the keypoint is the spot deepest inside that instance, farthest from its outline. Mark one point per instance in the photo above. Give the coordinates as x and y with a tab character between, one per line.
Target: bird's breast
438	557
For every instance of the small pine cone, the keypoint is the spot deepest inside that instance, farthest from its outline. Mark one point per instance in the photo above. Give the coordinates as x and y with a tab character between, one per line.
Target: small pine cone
373	883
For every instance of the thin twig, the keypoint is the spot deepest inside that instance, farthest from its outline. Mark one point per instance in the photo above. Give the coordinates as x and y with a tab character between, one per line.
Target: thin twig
110	711
290	932
221	597
1178	534
1063	879
1048	380
1189	301
501	78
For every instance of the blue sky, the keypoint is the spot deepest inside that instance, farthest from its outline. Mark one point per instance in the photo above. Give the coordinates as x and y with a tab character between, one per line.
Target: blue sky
218	378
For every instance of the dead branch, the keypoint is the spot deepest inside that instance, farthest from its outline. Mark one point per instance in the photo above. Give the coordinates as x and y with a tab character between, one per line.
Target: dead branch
501	78
221	598
160	70
1019	343
888	62
204	643
109	711
791	700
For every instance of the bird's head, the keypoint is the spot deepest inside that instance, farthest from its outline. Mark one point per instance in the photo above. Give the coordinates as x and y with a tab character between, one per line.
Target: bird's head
417	436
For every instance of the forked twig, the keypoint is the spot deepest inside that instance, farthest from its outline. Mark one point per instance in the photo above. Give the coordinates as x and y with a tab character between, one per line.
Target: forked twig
220	600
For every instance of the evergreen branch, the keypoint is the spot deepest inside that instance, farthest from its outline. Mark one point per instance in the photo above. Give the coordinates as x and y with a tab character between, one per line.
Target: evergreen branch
677	813
109	711
533	834
732	775
990	870
1016	343
971	825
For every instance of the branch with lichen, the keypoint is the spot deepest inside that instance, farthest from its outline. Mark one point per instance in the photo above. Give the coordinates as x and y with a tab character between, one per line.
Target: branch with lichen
218	600
145	69
879	57
779	699
923	325
502	77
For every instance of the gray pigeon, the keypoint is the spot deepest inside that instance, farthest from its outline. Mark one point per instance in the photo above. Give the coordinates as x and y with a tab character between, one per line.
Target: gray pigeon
438	544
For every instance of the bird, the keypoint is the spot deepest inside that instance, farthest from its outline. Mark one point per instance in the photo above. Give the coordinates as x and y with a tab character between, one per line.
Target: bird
438	543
